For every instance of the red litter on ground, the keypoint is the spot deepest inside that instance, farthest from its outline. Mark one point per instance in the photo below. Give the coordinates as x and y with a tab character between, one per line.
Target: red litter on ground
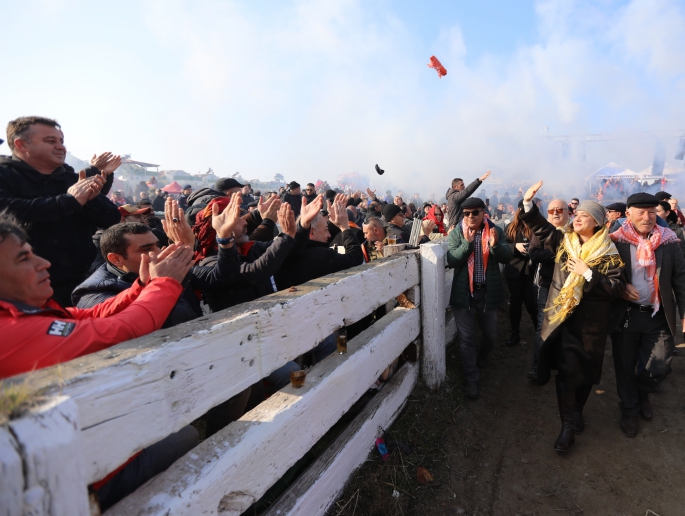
380	445
437	66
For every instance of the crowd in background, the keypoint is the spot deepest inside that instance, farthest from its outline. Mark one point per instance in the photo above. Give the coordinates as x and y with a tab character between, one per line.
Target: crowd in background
84	268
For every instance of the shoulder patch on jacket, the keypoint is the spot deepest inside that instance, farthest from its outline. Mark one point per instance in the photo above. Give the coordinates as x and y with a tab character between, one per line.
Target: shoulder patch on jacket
61	328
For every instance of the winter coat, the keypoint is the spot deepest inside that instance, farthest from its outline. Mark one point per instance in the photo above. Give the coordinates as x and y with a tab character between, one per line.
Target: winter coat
458	251
454	200
295	202
256	269
40	337
574	347
520	263
59	228
317	260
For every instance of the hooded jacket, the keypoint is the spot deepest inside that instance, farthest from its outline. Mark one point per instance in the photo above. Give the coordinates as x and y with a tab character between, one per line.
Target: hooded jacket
59	228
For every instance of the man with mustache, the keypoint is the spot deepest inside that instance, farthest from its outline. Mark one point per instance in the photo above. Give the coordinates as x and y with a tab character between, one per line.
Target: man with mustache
62	208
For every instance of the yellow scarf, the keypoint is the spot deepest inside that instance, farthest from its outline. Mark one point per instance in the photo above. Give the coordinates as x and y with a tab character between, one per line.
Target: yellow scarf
599	253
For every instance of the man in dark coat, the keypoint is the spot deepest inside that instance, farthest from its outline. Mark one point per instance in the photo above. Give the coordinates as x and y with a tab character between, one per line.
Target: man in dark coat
62	208
475	250
310	192
644	320
317	258
293	197
457	194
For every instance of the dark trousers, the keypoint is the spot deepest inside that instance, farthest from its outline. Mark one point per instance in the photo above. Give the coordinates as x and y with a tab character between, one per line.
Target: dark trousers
521	292
151	461
542	293
486	319
642	357
225	413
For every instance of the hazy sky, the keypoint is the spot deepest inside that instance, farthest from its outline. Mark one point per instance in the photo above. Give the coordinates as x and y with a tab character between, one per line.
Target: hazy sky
313	89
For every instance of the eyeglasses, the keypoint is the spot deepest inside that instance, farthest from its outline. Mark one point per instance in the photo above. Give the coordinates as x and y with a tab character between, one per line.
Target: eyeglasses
473	213
556	211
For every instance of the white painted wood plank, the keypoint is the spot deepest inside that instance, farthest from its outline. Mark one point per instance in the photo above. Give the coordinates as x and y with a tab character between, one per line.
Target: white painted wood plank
49	441
433	314
449	276
236	466
173	376
11	476
323	482
450	327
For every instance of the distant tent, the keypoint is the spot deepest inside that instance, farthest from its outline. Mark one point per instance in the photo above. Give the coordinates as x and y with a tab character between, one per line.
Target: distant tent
613	171
173	188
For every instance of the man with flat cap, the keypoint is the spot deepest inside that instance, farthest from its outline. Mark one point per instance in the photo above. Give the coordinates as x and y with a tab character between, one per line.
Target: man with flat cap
615	211
293	196
476	247
644	320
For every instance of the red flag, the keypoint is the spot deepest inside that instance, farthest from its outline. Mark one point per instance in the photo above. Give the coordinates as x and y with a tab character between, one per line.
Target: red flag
437	66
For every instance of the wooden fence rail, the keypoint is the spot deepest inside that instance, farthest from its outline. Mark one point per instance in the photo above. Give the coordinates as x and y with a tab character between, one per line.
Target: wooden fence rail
103	408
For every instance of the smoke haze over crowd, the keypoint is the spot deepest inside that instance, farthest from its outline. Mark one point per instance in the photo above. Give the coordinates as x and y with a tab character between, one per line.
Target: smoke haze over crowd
316	89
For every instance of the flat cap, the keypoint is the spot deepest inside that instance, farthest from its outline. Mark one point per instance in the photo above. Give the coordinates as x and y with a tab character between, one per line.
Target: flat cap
473	202
617	206
663	196
226	183
642	200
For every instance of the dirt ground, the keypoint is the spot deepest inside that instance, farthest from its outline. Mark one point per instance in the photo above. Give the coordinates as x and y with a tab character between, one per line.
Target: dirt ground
495	455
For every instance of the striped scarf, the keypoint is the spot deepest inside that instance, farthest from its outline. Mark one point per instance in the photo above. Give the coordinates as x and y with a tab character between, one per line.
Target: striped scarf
644	253
484	238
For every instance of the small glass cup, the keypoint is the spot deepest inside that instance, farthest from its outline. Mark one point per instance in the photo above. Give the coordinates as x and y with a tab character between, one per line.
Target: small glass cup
297	378
392	239
342	341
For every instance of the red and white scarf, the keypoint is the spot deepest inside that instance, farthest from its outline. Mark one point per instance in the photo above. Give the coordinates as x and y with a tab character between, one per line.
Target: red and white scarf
644	253
484	239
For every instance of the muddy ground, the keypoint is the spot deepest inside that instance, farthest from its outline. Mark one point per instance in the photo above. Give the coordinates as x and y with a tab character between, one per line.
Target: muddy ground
495	455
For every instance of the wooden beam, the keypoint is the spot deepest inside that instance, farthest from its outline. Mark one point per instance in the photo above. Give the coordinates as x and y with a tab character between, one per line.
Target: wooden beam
173	376
54	476
235	467
11	476
433	314
318	487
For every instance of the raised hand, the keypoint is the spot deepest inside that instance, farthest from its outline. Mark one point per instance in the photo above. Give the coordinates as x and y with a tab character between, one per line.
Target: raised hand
286	219
174	262
530	193
106	162
484	176
493	237
268	208
224	223
310	210
86	188
175	225
469	234
427	227
372	193
337	212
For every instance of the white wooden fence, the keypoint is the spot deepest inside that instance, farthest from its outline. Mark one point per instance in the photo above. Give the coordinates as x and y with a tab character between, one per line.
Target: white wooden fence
100	409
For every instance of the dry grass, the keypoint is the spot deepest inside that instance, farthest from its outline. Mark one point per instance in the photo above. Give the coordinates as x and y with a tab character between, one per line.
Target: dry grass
16	398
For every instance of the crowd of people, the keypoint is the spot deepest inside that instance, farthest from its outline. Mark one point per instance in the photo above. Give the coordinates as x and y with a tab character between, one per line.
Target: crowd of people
84	269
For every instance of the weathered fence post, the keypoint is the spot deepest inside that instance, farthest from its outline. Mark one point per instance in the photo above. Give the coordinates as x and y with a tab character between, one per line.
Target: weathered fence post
433	313
54	471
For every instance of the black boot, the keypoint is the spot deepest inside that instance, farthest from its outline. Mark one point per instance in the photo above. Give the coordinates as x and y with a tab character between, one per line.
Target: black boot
582	394
566	400
514	339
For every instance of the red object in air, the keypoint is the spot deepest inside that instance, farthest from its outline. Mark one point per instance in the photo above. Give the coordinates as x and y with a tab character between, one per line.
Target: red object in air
437	66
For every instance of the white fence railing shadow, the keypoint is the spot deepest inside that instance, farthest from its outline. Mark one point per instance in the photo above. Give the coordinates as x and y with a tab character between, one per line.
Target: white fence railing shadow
103	408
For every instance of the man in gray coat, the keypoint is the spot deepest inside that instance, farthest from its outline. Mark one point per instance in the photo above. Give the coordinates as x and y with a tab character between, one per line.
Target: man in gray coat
645	319
458	194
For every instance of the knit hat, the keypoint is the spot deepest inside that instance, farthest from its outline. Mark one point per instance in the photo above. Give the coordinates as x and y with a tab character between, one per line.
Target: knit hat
595	210
390	211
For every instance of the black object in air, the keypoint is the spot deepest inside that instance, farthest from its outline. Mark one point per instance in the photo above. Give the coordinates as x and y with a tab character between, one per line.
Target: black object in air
379	170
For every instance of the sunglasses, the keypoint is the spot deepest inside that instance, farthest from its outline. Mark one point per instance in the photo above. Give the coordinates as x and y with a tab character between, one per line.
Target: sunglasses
309	190
557	211
473	213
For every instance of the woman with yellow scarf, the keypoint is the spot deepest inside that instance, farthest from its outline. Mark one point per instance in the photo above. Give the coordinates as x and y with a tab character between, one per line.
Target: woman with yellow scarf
587	278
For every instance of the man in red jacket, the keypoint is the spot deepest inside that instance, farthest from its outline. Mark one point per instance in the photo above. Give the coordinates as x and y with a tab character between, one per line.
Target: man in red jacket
38	332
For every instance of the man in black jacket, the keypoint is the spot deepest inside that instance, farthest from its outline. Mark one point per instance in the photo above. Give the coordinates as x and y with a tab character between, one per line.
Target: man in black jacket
317	259
458	194
62	208
293	196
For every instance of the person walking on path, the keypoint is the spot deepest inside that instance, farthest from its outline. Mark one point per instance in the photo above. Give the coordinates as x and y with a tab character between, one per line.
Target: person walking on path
588	276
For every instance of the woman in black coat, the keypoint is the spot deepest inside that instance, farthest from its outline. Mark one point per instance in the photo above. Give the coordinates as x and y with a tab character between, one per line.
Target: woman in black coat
519	275
588	276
